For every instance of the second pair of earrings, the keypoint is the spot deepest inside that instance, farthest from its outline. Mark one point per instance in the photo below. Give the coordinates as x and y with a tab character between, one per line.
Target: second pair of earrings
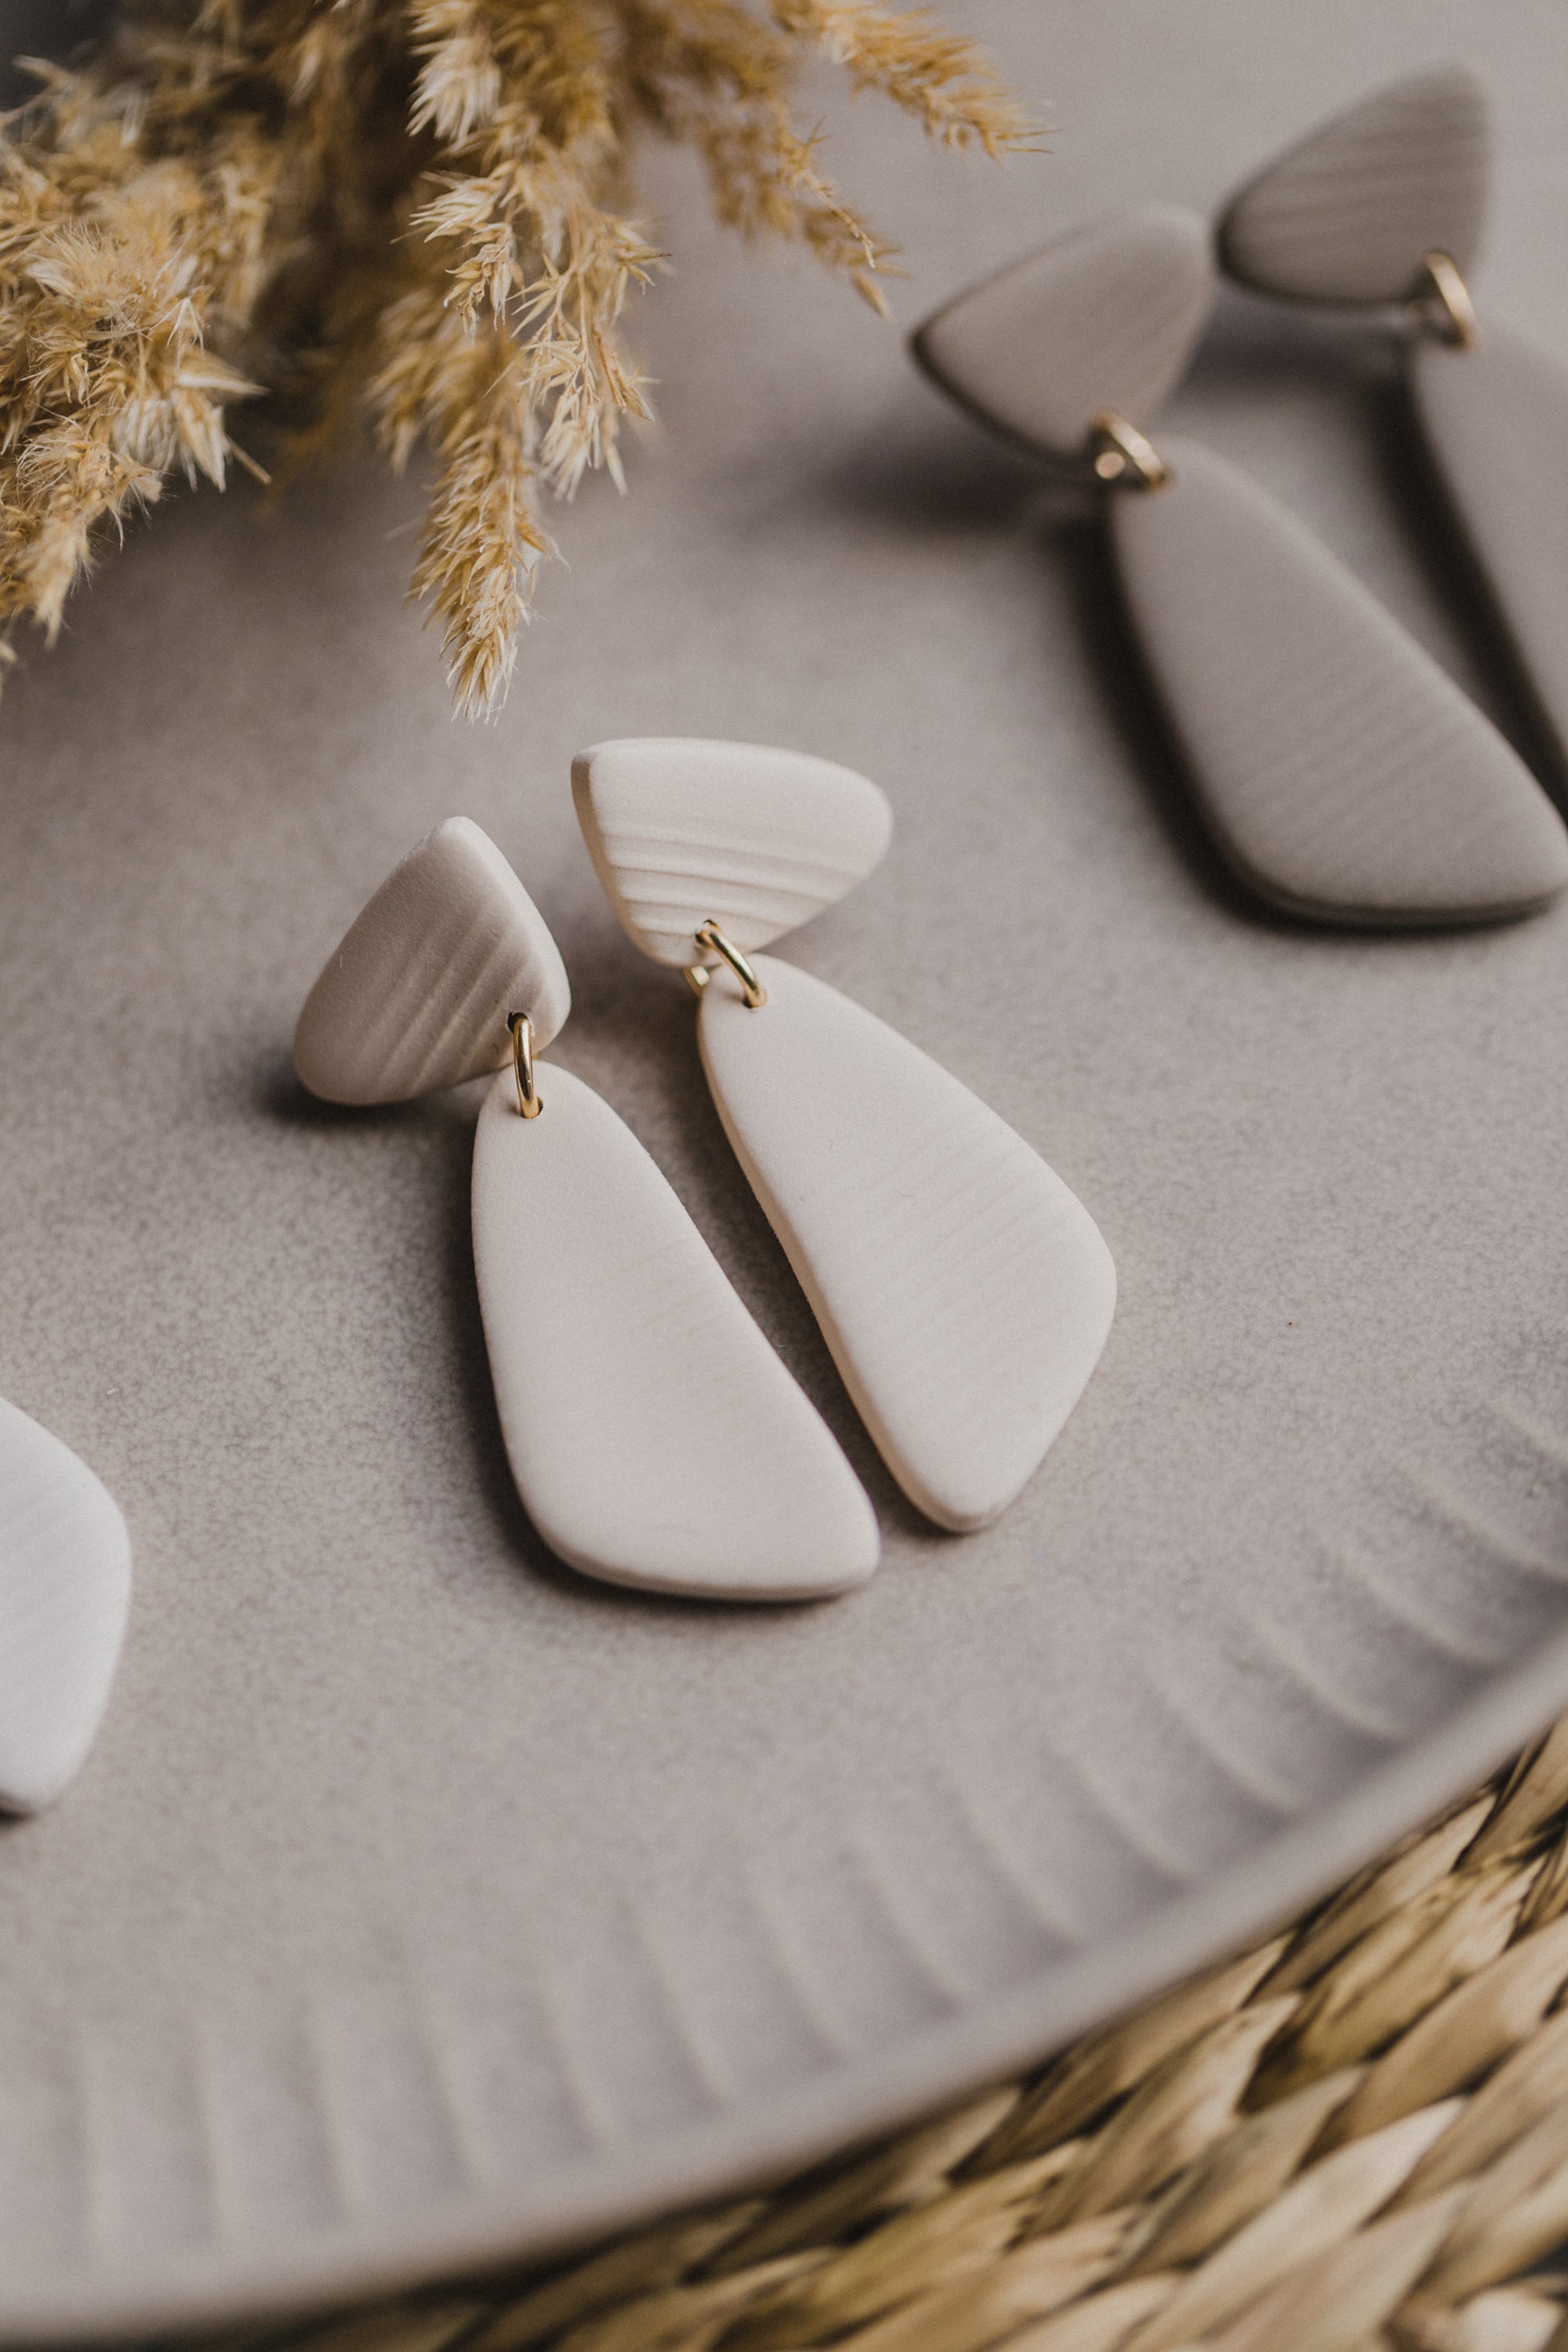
655	1438
1342	774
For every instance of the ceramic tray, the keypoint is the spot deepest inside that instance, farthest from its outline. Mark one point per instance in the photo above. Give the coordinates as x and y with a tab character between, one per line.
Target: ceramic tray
423	1903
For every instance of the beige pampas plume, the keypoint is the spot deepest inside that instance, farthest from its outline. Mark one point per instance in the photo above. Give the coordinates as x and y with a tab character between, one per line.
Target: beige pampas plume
413	209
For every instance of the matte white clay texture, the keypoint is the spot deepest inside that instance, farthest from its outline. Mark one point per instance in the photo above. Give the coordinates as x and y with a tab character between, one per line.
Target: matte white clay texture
416	998
65	1591
966	1292
681	829
1105	318
1345	775
654	1437
1496	421
1348	212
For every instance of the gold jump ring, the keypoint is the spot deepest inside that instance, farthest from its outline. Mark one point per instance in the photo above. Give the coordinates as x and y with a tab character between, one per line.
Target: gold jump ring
1124	452
1448	307
711	937
522	1029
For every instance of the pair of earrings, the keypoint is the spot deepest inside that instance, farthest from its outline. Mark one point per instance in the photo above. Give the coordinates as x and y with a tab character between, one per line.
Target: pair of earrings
654	1437
1342	773
1385	204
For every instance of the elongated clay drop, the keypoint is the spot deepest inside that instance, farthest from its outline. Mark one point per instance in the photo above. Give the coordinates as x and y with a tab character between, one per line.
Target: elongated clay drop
1345	775
680	829
1104	319
1347	213
65	1591
415	997
1496	421
655	1438
965	1291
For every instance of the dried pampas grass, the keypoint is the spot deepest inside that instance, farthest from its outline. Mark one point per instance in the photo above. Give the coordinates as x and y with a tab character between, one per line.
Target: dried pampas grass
413	208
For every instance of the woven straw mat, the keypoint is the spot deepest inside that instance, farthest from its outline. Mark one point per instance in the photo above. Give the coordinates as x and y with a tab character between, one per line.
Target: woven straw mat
1354	2136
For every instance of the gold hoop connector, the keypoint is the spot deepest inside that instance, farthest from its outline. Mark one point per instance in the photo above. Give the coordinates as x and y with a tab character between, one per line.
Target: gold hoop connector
709	935
522	1029
1444	304
1124	454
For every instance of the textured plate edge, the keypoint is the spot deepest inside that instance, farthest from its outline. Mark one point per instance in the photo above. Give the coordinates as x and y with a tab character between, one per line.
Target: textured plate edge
597	2200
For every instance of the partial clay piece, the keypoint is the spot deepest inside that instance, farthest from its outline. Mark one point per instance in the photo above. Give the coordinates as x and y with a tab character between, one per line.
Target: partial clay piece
1345	774
654	1437
681	829
65	1593
965	1291
1105	318
1496	421
416	995
1348	212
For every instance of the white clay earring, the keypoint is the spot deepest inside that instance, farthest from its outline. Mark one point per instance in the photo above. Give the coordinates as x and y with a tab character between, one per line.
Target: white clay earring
1384	207
964	1292
65	1595
655	1438
1342	773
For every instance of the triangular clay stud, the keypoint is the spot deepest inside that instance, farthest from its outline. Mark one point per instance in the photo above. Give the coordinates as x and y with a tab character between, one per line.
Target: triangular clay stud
65	1594
964	1292
1386	204
654	1437
676	843
1104	320
416	998
1346	215
1342	774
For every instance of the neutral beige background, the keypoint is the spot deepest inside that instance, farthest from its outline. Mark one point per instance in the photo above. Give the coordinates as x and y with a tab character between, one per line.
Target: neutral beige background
420	1893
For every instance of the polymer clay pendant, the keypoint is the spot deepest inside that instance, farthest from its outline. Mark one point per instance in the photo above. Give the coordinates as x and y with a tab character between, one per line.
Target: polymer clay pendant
964	1292
1342	773
1385	204
654	1437
65	1594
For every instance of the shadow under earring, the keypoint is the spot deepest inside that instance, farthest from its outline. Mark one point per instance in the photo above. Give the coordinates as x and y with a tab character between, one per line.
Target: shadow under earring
1342	773
654	1437
1385	206
964	1292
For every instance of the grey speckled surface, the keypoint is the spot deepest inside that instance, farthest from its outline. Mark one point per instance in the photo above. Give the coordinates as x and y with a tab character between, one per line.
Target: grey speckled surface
421	1900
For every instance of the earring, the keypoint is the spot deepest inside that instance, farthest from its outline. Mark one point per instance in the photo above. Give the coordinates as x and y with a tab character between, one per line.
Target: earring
963	1291
65	1594
655	1438
1342	773
1385	206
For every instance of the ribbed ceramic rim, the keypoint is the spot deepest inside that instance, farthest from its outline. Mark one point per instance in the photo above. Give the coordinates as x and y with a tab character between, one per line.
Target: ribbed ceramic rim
590	2201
